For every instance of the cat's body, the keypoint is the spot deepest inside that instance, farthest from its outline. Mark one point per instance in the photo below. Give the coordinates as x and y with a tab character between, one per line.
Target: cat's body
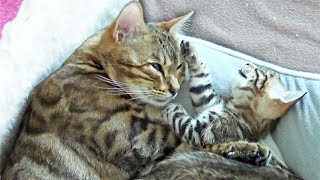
82	125
99	115
77	130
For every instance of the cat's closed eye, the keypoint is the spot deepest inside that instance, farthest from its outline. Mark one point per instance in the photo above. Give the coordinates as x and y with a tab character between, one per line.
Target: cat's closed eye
157	66
179	66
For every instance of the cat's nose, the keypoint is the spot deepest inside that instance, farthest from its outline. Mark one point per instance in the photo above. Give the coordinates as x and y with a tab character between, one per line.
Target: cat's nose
173	91
174	88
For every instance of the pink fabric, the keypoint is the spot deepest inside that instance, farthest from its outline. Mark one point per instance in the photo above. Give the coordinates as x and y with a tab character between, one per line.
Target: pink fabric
8	11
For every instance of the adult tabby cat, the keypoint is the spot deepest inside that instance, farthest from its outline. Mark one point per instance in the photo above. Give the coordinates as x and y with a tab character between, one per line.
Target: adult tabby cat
99	115
258	100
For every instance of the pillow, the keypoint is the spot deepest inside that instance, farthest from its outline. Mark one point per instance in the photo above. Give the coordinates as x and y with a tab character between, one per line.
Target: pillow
45	33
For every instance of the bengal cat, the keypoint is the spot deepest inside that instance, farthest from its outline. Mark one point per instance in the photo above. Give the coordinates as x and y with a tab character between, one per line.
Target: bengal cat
99	115
258	100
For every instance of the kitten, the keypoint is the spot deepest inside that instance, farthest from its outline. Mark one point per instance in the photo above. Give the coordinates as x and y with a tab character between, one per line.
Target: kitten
258	100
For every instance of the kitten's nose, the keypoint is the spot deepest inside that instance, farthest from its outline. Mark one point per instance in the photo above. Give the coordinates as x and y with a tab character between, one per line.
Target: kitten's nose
247	68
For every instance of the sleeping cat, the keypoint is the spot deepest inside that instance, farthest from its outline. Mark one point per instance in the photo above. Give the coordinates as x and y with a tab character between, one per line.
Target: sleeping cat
99	115
258	100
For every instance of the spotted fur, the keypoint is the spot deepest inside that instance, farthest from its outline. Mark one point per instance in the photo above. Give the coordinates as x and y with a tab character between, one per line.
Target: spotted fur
98	116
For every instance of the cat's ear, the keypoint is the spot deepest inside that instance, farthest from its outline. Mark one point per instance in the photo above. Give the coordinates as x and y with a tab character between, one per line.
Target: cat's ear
129	23
176	25
291	97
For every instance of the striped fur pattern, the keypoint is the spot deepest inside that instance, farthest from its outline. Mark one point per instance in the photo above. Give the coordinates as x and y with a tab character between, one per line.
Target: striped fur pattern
258	101
208	166
99	115
221	124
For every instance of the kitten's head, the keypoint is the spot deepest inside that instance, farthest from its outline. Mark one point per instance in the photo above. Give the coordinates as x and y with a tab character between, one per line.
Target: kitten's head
143	58
263	93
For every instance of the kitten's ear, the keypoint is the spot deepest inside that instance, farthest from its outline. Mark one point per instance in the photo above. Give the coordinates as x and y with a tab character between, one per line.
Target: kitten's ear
129	22
291	97
175	25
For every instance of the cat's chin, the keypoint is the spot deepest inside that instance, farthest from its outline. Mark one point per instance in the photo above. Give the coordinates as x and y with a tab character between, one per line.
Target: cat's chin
155	102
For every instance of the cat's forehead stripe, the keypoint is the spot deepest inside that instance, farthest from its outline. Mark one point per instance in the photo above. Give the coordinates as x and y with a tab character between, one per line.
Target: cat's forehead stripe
168	44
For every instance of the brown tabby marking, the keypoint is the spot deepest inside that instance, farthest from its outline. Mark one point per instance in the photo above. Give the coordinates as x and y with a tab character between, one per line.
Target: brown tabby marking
98	116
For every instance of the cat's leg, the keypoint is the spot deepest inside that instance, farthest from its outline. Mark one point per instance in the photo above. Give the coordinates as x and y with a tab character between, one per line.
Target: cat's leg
202	91
248	152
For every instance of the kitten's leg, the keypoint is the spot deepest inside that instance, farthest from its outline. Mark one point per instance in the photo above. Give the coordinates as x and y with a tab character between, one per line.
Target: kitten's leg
191	132
202	91
252	153
187	128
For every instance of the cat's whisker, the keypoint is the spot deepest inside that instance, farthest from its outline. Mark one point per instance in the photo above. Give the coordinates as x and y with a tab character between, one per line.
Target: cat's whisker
114	82
102	78
135	98
123	90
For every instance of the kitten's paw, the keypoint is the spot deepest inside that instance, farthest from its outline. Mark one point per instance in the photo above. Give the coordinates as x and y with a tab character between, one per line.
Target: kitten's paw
188	52
252	153
173	111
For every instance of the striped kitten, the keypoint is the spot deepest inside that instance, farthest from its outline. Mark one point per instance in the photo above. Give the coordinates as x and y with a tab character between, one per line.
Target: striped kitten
258	100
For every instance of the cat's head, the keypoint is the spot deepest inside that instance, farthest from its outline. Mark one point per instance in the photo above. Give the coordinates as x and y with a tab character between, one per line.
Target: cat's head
143	58
263	92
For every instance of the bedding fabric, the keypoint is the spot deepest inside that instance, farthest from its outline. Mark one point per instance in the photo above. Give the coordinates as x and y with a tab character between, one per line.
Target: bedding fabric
283	32
8	10
45	33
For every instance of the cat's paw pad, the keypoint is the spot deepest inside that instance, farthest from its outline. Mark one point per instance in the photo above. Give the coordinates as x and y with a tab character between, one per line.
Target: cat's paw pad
172	111
251	153
188	52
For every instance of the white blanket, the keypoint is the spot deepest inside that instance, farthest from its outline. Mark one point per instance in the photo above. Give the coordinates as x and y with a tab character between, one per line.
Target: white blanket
45	33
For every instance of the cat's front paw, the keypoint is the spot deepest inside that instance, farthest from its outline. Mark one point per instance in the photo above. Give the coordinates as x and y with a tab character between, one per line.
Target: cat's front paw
252	153
188	52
